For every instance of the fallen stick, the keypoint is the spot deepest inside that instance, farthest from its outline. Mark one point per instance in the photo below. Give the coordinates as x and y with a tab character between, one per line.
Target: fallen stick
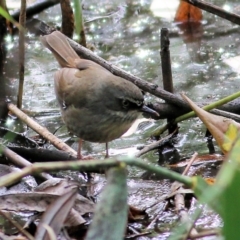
59	144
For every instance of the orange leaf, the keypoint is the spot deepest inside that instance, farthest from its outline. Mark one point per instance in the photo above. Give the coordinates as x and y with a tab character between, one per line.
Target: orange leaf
187	13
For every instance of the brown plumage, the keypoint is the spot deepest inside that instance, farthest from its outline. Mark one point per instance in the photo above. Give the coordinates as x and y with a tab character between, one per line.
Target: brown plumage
96	105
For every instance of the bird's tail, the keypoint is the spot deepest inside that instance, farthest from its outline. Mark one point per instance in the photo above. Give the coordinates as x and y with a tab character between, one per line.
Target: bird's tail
58	44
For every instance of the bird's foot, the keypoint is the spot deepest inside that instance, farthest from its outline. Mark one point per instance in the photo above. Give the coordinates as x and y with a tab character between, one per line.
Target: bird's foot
88	157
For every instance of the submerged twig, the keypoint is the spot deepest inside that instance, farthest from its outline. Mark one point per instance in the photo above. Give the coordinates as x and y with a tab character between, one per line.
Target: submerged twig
155	145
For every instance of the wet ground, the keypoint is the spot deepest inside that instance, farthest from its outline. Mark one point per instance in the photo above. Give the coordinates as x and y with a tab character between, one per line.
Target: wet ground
127	34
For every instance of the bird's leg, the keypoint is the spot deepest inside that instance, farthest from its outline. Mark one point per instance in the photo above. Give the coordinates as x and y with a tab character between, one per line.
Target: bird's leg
79	154
107	155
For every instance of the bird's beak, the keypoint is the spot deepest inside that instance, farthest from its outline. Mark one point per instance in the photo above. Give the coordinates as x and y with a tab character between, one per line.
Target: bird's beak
146	109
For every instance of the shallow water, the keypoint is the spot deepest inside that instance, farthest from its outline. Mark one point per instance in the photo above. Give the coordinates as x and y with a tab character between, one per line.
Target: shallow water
127	34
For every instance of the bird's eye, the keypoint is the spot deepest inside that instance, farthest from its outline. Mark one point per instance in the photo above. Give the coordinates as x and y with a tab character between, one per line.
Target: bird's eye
125	103
139	103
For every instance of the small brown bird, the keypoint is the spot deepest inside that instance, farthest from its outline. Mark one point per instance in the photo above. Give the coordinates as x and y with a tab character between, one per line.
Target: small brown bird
96	105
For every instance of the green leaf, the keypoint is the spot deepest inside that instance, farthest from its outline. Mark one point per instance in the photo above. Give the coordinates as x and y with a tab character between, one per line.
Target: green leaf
231	208
110	218
6	15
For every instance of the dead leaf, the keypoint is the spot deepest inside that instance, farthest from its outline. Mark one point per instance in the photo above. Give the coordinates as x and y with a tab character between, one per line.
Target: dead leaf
39	202
59	187
224	130
56	214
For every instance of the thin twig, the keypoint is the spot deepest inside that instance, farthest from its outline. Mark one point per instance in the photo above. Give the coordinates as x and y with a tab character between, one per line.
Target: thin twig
232	17
41	130
35	8
150	225
155	145
179	200
91	165
205	233
168	110
17	226
22	21
19	161
193	158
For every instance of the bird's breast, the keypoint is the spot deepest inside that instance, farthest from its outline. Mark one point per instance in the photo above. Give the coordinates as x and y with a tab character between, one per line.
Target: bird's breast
97	127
